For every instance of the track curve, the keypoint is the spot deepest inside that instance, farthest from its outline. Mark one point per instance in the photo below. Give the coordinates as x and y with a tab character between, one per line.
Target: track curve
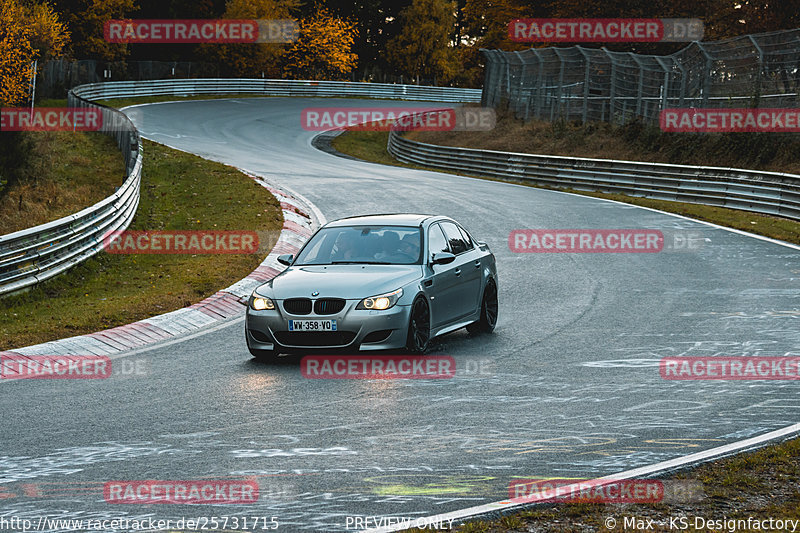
569	383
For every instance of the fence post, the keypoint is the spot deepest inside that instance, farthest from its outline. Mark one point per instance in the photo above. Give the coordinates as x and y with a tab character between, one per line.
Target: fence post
757	95
707	73
540	91
613	92
665	86
560	82
521	73
640	89
587	61
488	94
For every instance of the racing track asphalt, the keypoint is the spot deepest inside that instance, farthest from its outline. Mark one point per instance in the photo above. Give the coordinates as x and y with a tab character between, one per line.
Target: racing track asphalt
567	386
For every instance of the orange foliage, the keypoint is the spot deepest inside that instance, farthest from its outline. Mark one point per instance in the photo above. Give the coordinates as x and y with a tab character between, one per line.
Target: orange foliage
16	53
324	48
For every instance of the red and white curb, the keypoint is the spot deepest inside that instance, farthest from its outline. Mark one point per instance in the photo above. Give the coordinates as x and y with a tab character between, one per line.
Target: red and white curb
300	219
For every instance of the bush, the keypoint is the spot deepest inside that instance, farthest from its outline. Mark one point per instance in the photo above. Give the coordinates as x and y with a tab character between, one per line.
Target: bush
15	149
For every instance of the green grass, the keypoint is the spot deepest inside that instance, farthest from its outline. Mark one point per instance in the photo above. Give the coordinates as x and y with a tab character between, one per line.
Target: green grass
179	192
371	146
66	172
367	145
63	173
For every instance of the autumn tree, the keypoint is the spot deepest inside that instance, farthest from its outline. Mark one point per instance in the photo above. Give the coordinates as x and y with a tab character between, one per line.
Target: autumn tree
324	48
715	14
16	53
757	16
28	31
251	59
174	9
424	47
486	22
376	21
85	20
50	34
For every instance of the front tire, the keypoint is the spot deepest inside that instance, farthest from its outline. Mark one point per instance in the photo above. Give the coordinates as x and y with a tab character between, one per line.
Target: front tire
419	327
489	308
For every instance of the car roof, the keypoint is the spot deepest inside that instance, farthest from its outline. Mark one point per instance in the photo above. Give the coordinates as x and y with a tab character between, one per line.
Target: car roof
395	219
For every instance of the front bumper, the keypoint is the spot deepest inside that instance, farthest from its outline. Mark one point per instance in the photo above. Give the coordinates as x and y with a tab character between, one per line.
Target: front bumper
356	329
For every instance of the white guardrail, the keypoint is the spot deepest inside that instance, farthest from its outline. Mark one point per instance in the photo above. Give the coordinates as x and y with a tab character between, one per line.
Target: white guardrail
194	87
39	253
768	193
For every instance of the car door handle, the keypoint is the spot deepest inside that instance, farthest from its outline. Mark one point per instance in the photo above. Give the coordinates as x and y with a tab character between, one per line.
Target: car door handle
428	283
477	263
457	272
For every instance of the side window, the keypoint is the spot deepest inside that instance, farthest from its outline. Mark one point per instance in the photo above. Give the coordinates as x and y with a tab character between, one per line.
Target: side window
436	240
467	238
454	237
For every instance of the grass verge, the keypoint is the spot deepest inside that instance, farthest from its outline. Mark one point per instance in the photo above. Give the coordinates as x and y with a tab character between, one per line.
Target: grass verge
371	146
66	172
760	485
775	152
179	192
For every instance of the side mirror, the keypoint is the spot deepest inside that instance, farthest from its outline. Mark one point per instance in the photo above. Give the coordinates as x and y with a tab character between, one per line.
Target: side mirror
285	259
443	258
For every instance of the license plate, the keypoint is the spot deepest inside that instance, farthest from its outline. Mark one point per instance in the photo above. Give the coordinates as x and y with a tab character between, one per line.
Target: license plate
312	325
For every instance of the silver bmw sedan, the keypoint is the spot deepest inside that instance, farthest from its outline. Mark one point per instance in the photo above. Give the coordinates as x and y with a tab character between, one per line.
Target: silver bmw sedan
375	282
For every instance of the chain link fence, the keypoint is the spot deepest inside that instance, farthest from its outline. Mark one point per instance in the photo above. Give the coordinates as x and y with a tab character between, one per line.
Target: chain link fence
591	84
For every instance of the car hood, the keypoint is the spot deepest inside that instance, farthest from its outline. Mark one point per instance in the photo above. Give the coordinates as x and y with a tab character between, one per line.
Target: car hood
340	281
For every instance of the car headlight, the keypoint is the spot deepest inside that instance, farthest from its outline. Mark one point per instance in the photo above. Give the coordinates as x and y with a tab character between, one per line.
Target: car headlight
260	303
380	302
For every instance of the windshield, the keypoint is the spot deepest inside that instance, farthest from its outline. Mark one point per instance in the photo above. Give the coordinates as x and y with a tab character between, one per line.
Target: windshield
381	245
